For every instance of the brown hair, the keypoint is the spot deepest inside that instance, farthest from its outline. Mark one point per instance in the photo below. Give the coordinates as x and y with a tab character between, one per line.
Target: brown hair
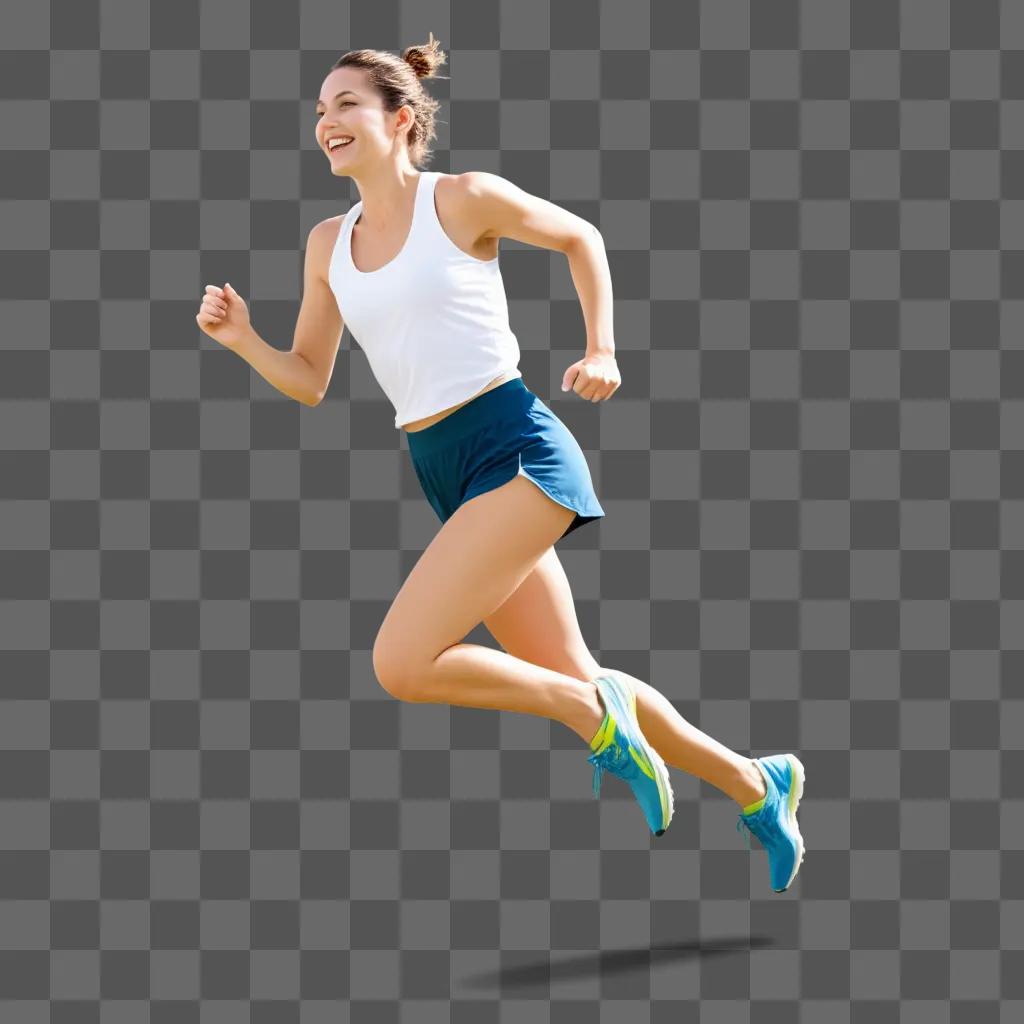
397	79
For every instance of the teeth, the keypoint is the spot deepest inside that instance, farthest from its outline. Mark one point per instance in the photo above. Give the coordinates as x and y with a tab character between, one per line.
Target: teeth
339	141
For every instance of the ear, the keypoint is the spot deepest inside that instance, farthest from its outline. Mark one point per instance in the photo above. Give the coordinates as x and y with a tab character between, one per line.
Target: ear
405	117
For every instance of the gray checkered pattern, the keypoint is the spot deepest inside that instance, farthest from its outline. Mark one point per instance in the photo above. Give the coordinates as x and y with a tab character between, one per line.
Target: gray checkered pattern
813	472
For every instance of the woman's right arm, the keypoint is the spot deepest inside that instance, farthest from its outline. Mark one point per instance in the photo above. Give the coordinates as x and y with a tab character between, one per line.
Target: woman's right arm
287	371
305	372
319	328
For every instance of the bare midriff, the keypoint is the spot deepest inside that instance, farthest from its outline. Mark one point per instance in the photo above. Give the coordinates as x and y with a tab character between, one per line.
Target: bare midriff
414	425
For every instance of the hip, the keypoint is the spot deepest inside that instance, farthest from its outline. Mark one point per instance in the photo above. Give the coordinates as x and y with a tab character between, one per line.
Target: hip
505	412
429	421
506	432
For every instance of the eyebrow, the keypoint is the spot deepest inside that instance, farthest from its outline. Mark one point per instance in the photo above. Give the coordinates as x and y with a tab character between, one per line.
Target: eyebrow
320	103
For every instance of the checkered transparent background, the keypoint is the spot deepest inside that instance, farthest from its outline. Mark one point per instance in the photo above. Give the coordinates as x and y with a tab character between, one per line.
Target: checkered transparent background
813	473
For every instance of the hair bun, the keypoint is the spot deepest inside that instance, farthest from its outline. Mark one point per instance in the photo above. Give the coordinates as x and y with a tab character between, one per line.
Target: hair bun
424	59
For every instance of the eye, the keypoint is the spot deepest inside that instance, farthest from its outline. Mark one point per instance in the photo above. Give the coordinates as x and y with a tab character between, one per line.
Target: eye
344	103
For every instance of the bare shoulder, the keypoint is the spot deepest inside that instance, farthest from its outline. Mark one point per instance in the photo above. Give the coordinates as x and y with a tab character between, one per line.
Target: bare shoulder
494	207
320	244
464	193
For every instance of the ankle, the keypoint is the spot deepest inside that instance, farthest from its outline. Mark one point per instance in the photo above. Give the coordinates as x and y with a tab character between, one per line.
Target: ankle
753	788
762	783
589	714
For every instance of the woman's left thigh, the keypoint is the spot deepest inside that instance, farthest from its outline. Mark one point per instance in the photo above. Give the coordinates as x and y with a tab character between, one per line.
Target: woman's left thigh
477	559
538	622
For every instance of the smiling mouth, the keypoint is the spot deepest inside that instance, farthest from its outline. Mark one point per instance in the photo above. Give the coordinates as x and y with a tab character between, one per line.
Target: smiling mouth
334	149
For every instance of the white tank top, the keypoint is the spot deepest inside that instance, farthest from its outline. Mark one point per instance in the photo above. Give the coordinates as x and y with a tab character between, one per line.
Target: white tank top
433	322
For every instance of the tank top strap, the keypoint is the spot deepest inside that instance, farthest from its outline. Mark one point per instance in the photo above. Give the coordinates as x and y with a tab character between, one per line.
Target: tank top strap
425	193
434	237
421	234
342	256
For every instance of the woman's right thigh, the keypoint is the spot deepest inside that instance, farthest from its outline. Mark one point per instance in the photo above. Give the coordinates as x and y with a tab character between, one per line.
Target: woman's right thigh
538	623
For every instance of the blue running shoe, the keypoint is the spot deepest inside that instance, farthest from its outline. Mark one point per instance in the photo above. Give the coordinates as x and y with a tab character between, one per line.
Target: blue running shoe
622	749
773	818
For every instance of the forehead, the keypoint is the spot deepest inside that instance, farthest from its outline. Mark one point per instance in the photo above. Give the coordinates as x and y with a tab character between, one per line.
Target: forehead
342	79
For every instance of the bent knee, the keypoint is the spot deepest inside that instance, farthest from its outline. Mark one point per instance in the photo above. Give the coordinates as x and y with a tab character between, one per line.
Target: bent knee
399	675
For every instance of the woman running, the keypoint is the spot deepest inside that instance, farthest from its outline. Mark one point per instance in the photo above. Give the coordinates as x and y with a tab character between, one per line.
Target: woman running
413	268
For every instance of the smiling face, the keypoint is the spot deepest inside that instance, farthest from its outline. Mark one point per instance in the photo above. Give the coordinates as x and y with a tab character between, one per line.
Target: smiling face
349	106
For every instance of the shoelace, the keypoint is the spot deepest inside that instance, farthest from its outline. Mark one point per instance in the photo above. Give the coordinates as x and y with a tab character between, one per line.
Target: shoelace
613	759
740	823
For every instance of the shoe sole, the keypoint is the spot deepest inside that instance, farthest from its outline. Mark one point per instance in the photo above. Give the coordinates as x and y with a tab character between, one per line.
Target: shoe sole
638	740
796	791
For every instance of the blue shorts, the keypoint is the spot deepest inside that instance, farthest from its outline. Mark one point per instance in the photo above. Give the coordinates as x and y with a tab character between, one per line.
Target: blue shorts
505	432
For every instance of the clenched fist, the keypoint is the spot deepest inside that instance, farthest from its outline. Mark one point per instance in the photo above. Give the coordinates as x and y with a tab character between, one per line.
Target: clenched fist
224	315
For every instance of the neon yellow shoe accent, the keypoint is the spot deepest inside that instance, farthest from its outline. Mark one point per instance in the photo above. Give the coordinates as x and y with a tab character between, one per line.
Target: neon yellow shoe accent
755	806
641	759
604	734
644	764
655	770
665	790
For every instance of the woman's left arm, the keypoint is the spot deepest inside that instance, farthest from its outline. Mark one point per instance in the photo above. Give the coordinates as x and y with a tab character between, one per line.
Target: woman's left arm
503	210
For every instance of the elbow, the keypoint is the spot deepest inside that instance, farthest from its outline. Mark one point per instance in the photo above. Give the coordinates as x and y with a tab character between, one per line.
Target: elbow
313	400
587	234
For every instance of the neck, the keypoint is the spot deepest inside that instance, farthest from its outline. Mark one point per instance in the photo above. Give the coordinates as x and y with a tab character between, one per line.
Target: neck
387	197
